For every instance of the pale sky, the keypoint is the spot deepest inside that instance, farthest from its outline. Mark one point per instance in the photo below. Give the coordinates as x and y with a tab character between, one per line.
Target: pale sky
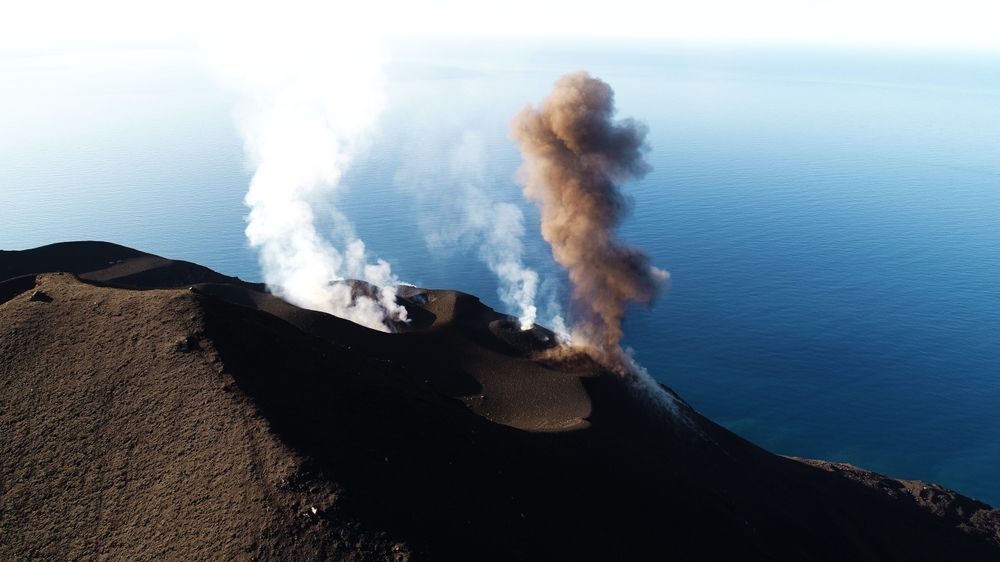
938	23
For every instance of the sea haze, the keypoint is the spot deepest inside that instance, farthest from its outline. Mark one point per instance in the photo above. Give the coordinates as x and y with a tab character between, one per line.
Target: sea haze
828	216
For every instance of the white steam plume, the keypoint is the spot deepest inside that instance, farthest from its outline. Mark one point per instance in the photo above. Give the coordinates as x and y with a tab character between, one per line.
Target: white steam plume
497	228
500	227
312	85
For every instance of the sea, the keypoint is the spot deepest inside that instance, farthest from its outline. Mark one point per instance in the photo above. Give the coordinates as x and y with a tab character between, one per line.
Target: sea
828	215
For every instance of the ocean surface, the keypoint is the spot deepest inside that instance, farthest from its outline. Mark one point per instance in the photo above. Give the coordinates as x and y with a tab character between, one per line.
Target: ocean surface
829	217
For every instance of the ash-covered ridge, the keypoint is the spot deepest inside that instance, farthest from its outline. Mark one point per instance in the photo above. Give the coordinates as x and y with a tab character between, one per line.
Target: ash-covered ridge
153	408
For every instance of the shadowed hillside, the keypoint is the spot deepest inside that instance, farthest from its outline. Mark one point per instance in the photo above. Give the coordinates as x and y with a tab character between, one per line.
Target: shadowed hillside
156	409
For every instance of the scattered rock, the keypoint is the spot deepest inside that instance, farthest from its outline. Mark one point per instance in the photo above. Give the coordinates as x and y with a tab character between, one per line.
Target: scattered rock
400	553
40	296
187	344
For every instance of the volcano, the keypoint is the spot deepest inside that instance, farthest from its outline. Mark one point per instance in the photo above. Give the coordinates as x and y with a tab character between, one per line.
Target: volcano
155	409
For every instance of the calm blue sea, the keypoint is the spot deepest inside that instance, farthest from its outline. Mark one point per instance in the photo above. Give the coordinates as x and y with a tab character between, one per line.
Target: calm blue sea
829	217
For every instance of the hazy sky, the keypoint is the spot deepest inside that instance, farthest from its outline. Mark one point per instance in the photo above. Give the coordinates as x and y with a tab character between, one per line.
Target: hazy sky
952	23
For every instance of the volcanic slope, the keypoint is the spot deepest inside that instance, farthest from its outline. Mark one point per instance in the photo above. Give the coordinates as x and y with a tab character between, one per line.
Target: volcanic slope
155	409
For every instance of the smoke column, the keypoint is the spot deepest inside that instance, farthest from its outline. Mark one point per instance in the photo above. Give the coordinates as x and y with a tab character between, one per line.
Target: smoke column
575	155
448	175
502	226
312	85
499	228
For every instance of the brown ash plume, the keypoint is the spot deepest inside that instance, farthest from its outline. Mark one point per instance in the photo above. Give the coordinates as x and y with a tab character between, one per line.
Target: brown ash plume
575	155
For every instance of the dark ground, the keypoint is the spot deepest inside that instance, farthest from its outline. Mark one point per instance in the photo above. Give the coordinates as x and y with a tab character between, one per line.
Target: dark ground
155	409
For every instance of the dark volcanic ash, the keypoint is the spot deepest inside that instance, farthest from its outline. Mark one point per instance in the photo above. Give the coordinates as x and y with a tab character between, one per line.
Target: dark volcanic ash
575	155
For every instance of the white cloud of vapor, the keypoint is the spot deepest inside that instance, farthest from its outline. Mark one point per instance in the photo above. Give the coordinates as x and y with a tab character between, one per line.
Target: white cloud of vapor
312	86
495	228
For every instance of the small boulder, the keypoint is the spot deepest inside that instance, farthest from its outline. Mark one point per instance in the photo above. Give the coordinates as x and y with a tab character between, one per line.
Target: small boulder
187	344
40	296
